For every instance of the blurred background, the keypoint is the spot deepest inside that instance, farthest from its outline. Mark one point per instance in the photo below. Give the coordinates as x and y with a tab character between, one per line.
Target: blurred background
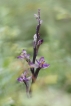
17	27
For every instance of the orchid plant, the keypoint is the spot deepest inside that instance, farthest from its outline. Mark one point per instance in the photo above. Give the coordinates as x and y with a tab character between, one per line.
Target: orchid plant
36	64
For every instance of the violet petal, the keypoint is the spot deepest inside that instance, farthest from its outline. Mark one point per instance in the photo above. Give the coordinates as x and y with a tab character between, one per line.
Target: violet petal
20	79
45	65
41	59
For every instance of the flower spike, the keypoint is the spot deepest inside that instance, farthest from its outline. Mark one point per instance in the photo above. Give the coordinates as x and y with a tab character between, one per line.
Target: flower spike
34	64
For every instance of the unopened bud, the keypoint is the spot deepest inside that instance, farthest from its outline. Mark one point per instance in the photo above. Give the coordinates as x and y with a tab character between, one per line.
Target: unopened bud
41	21
36	16
40	41
35	37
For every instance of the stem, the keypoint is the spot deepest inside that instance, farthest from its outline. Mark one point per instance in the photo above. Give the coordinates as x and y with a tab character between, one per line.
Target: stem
27	89
34	56
31	69
37	33
34	75
30	91
26	86
36	72
38	26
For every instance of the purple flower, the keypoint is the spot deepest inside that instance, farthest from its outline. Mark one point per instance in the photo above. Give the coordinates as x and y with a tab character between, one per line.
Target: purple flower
41	63
23	77
24	55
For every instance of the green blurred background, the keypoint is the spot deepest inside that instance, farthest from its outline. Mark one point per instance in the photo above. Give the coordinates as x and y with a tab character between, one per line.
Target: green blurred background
17	27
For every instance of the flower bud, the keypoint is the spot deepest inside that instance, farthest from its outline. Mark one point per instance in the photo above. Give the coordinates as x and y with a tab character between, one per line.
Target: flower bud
35	38
36	16
40	41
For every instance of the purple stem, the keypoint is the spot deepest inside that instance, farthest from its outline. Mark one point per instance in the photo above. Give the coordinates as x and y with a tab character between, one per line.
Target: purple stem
37	33
36	72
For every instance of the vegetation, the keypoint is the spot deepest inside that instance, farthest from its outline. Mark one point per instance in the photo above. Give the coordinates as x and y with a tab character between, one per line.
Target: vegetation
17	27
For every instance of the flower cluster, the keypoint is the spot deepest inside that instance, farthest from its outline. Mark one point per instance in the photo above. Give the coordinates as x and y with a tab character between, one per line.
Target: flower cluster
35	64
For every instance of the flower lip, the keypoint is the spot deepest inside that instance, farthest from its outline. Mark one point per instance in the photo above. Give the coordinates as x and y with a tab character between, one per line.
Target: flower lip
45	65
